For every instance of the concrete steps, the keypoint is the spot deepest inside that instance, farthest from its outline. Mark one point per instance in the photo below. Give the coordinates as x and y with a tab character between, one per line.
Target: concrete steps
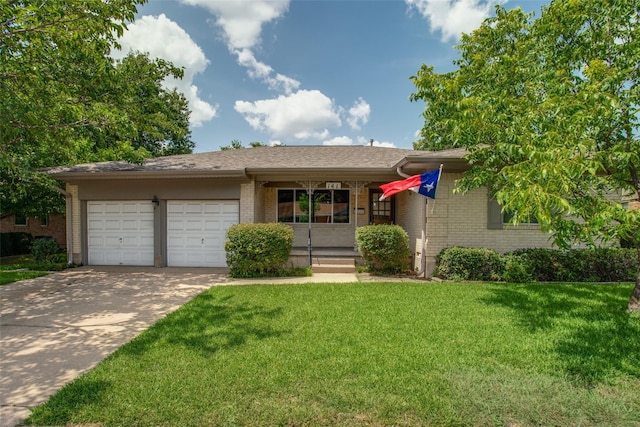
333	265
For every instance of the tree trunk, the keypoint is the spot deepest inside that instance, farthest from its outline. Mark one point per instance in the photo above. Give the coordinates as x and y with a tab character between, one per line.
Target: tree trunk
634	302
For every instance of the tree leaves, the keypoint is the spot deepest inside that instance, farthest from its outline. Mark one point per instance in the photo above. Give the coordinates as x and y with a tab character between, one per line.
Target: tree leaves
548	109
64	100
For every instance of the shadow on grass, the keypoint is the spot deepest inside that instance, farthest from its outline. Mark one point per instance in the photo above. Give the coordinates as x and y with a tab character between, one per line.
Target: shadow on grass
209	324
62	406
596	338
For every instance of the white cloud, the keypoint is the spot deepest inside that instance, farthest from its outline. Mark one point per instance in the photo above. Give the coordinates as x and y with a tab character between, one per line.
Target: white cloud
454	17
339	140
162	38
384	144
359	114
300	115
241	22
361	140
259	70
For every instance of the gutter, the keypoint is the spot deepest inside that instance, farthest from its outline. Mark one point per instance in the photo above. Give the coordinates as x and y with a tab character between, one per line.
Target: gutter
69	221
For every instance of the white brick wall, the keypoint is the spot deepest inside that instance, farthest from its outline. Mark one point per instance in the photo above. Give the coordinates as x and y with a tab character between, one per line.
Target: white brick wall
76	235
247	202
461	220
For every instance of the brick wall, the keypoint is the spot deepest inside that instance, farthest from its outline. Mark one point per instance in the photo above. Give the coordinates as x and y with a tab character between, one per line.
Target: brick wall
76	233
247	202
461	220
56	227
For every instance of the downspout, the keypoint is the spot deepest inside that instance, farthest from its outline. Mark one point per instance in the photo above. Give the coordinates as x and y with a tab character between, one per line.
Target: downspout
69	212
423	256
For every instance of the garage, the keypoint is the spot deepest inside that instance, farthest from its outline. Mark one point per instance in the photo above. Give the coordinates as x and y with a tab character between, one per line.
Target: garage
120	233
196	232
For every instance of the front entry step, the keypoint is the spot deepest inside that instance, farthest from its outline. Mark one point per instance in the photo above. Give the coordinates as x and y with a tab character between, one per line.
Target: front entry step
333	265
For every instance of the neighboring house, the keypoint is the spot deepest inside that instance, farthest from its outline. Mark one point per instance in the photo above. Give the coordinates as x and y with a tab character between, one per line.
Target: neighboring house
175	211
51	225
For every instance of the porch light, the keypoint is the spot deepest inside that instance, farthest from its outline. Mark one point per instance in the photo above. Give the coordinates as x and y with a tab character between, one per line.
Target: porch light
155	201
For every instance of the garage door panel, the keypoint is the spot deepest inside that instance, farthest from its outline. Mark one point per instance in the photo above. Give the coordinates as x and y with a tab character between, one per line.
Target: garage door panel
229	208
196	231
120	233
193	208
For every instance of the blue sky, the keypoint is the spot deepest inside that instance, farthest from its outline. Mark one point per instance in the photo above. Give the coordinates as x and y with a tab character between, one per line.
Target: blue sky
305	72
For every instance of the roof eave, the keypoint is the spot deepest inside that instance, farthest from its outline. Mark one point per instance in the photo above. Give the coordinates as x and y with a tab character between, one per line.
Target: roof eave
67	176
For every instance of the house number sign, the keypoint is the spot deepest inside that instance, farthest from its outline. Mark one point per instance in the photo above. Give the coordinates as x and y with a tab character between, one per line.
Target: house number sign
334	185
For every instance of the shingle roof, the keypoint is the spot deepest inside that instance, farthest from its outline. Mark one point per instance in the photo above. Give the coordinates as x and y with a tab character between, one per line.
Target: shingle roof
268	158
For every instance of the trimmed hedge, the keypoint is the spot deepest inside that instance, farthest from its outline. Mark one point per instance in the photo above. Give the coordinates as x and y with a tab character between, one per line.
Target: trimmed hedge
538	264
255	250
384	248
581	265
457	263
15	243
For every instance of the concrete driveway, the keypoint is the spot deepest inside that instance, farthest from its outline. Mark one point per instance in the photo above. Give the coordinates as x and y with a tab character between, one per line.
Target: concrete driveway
54	328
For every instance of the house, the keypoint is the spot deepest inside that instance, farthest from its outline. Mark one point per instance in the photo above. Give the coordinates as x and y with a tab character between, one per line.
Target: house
50	225
174	211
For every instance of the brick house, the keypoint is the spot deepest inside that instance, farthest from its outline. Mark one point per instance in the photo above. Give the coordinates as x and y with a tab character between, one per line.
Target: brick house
51	225
174	211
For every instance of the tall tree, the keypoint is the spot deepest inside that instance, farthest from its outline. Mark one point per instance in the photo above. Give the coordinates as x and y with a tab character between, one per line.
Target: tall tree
64	100
548	108
237	145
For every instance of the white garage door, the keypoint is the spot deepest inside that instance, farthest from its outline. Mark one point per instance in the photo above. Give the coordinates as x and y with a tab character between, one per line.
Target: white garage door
196	231
120	233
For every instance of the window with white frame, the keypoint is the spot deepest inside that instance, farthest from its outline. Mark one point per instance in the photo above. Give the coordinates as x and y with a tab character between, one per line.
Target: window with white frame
328	206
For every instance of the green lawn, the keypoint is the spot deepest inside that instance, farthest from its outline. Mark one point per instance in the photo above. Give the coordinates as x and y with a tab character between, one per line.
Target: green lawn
14	276
373	354
13	269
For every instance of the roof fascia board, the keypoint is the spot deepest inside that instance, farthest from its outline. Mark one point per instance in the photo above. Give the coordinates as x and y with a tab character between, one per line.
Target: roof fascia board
147	175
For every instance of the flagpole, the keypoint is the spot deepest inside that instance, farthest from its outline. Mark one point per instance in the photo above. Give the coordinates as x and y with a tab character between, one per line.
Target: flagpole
425	239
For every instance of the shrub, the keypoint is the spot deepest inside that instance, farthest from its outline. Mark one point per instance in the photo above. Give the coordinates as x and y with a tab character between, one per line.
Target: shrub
384	248
15	243
457	263
44	250
517	269
255	250
581	265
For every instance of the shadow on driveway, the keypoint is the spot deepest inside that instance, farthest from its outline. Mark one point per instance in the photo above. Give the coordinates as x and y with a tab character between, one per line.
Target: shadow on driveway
54	328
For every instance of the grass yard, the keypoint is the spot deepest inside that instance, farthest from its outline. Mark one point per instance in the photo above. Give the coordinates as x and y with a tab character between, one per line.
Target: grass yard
373	354
14	276
13	269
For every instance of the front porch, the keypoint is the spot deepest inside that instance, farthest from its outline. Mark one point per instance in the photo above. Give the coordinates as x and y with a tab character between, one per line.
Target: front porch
331	256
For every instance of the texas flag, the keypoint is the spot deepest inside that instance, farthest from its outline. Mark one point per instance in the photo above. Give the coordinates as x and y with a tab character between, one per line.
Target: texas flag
424	184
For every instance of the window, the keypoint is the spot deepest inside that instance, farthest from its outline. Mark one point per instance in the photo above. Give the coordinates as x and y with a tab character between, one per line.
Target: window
44	220
380	212
20	220
507	216
497	220
329	206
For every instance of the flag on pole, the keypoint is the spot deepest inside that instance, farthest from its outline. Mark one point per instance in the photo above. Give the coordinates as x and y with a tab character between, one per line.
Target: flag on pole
424	184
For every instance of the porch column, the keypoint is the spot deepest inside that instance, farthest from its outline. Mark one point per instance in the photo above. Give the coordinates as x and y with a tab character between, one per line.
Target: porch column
247	202
357	186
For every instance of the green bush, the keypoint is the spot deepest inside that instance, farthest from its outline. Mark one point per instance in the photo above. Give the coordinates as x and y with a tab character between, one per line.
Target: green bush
44	250
517	269
581	265
384	248
457	263
255	250
15	243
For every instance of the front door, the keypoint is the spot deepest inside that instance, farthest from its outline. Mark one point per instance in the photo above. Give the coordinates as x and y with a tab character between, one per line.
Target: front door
381	212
